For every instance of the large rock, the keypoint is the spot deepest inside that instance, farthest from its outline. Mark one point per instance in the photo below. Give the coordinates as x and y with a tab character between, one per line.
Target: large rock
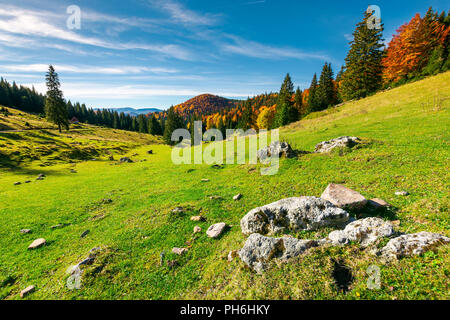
303	213
216	230
275	148
365	231
412	244
343	197
258	250
27	291
341	142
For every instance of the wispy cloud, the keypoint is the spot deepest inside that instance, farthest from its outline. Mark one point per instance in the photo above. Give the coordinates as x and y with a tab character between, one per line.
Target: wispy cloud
257	50
117	70
180	13
32	24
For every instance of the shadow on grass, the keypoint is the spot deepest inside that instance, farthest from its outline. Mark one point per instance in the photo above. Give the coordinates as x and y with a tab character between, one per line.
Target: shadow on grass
388	213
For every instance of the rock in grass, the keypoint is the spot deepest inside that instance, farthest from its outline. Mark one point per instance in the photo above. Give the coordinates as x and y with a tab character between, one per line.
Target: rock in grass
205	180
27	291
25	231
237	197
258	250
276	148
17	183
378	203
85	233
172	264
412	244
126	160
231	255
179	251
198	218
343	197
150	152
178	210
216	230
28	181
37	243
296	214
365	231
402	193
197	229
341	142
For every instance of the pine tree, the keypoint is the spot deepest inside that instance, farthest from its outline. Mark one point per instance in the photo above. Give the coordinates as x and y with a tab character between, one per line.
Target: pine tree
325	91
298	102
362	75
174	121
312	97
55	106
285	112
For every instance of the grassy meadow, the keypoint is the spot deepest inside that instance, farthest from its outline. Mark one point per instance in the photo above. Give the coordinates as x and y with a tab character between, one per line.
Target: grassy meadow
127	207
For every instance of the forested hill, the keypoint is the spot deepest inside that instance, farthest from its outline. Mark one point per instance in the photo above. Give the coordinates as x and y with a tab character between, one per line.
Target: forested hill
205	104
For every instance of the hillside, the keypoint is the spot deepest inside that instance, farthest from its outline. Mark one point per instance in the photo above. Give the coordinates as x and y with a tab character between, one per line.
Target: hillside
205	104
126	209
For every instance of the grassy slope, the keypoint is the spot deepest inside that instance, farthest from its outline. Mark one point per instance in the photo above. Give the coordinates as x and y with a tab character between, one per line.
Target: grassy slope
409	149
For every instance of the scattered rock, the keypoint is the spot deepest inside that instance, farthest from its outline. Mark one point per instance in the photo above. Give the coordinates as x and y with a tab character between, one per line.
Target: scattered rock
231	255
41	175
197	229
150	152
89	260
56	226
179	251
24	231
27	291
106	201
215	198
73	171
198	218
366	231
302	213
216	229
258	250
17	183
85	233
341	142
237	197
275	148
412	244
205	180
378	203
343	197
178	210
28	181
126	160
37	243
402	193
111	158
172	264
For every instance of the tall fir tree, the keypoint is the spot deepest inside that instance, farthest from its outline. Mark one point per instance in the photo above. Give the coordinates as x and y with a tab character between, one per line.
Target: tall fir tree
174	121
298	103
55	106
312	97
363	73
286	111
325	91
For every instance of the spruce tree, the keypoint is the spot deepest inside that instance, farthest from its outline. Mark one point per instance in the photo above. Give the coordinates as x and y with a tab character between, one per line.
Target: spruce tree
174	121
285	112
325	92
55	106
298	102
312	97
363	73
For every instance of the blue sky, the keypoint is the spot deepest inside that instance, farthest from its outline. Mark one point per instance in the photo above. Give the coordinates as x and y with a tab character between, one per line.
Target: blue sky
155	53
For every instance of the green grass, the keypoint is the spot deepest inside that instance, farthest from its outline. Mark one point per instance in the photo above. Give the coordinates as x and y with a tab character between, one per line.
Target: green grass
408	148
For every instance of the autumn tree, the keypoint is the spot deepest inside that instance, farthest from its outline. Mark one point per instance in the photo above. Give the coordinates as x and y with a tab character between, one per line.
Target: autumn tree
363	73
55	106
266	117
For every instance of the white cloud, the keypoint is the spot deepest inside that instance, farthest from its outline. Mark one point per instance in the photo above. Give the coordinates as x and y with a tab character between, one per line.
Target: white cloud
117	70
257	50
181	14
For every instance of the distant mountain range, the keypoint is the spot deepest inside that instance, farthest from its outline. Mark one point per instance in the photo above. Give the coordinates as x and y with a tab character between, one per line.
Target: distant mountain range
136	112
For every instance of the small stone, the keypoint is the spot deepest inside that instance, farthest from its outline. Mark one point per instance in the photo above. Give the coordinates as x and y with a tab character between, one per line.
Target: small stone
378	203
216	229
85	233
105	201
126	160
231	255
341	142
87	261
178	210
24	231
172	263
197	229
17	183
402	193
27	291
111	158
237	197
56	226
215	198
205	180
198	218
28	181
37	243
179	251
150	152
343	197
